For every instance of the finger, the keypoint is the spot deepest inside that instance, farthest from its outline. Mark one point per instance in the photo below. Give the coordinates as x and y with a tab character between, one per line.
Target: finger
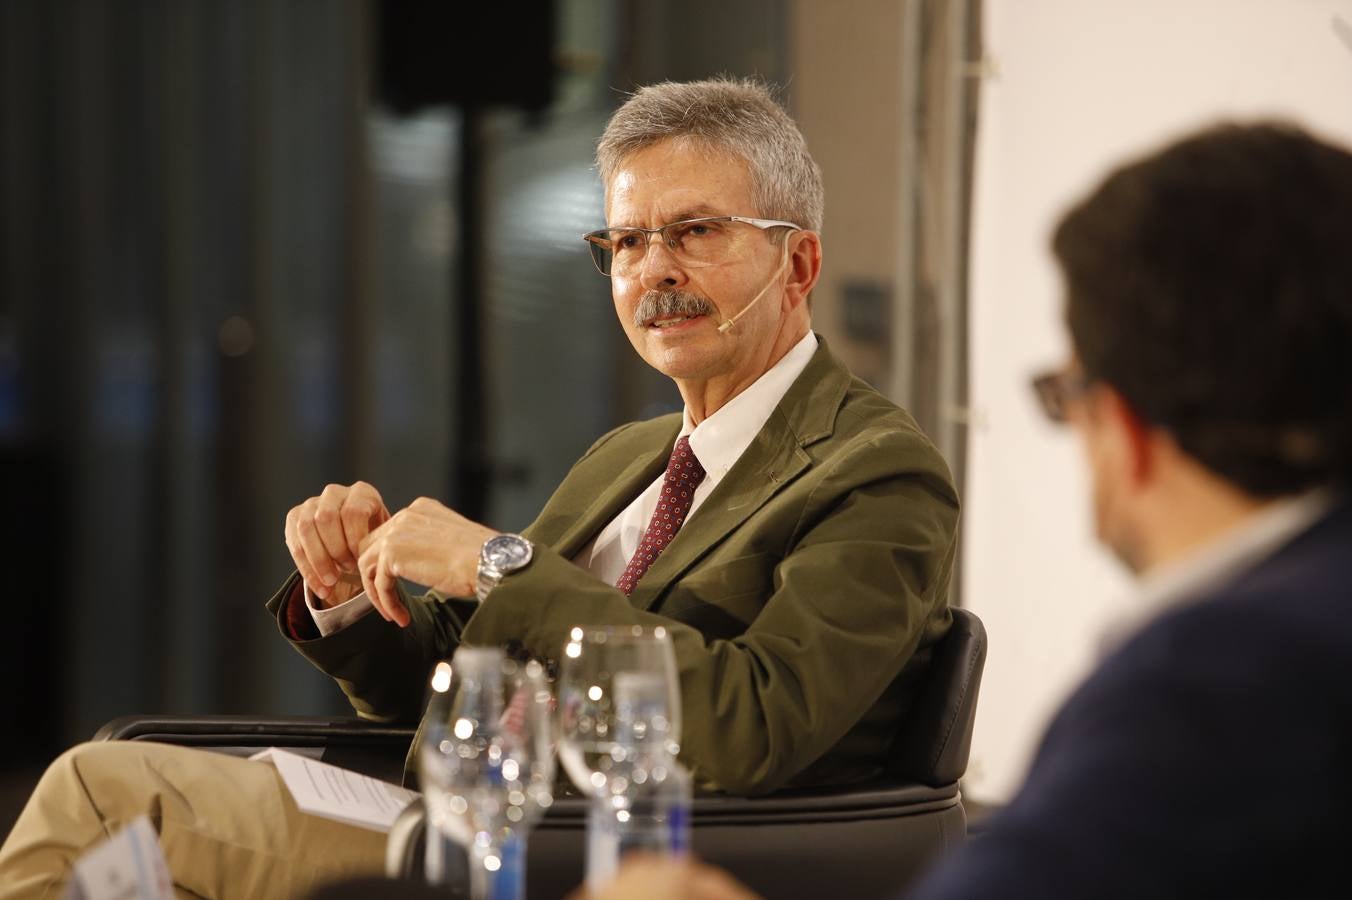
377	534
307	572
370	497
366	567
309	560
387	586
361	513
330	526
307	534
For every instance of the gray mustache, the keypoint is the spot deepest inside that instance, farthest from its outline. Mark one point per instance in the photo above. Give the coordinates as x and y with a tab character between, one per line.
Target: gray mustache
663	304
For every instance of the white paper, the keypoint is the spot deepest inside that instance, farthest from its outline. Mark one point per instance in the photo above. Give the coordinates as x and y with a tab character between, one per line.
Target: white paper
320	789
127	866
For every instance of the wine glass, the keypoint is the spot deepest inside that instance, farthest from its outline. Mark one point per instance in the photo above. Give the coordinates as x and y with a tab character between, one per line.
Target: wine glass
589	721
486	763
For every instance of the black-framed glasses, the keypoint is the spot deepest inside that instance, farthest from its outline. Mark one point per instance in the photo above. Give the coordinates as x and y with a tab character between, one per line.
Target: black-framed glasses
694	243
1056	390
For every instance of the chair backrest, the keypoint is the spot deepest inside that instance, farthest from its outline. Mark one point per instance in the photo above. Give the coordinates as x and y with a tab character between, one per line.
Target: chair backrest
933	745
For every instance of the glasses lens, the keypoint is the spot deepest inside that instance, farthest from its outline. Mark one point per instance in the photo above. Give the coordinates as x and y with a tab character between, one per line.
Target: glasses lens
1056	391
601	254
627	249
1044	388
701	243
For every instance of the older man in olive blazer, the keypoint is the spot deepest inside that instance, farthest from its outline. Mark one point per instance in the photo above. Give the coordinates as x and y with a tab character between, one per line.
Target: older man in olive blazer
806	580
802	597
803	576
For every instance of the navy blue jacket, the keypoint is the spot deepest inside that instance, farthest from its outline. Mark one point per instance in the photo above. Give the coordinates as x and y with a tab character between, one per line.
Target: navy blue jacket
1209	756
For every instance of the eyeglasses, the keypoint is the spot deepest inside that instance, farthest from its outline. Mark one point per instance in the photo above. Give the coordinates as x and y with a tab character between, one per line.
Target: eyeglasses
694	243
1057	390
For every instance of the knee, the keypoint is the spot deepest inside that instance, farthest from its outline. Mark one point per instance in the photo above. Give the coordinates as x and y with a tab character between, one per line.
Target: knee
81	753
73	763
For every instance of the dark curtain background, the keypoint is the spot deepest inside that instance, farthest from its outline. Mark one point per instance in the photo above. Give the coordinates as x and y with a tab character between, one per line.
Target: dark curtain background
181	267
231	272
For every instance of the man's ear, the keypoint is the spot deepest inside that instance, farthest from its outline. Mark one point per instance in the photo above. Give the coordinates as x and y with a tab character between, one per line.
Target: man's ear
1138	437
804	267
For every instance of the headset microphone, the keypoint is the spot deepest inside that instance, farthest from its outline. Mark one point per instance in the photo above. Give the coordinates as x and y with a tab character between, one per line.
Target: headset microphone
727	326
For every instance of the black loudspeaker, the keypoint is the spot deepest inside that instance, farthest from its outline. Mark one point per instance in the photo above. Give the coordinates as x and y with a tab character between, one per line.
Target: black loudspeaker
476	54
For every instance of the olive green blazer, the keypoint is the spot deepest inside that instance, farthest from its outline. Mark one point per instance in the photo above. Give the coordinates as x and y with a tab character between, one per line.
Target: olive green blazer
803	595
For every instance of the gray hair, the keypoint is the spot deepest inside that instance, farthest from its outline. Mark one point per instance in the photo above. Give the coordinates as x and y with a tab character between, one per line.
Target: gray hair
735	116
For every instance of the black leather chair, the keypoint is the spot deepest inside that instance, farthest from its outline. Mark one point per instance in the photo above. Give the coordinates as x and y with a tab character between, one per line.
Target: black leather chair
869	841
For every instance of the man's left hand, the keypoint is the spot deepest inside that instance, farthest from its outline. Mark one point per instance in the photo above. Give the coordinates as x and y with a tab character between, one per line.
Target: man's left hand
426	543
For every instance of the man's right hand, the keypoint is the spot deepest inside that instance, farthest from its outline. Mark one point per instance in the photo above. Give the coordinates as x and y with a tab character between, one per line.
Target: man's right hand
324	536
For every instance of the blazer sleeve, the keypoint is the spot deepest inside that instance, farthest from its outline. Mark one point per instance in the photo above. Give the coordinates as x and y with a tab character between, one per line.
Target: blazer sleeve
858	589
381	667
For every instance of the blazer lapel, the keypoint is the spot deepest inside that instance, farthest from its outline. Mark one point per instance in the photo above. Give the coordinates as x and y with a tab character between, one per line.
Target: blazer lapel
611	497
773	460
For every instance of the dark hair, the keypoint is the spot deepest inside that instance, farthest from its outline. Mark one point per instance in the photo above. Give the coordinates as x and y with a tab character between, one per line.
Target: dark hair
1211	284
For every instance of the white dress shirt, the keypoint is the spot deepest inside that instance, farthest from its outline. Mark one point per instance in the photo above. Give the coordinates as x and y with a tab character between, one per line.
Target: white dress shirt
717	442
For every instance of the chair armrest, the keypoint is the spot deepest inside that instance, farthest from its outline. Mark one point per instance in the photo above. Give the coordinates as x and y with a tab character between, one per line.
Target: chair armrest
299	731
372	748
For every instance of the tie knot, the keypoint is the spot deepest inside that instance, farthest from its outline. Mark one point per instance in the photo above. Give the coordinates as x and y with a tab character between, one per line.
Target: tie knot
684	466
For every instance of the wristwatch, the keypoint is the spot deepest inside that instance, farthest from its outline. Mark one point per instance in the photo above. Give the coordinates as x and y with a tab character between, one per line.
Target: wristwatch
501	555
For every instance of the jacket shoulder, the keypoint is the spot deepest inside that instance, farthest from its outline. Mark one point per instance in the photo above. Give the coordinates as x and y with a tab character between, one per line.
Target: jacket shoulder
870	423
624	439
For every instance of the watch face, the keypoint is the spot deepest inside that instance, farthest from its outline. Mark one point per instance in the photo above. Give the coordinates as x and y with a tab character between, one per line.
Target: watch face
507	552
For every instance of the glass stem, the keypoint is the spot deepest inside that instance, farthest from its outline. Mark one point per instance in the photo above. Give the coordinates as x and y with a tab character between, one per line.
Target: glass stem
445	861
504	879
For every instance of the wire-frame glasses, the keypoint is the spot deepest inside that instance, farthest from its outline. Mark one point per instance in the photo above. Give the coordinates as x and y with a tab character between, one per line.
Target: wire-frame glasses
693	243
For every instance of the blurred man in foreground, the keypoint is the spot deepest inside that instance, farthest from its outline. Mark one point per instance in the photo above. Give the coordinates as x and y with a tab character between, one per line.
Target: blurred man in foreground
792	530
1209	304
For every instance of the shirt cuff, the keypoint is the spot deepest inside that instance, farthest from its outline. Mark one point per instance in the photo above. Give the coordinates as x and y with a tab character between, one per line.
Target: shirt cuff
336	618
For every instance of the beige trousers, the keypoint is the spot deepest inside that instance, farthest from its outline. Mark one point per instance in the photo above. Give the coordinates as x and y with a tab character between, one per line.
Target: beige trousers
228	826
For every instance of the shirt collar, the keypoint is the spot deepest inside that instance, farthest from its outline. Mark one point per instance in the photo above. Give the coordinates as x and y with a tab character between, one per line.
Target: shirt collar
1221	560
719	441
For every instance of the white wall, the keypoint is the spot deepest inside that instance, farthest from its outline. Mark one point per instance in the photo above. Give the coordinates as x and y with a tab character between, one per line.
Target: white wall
1081	85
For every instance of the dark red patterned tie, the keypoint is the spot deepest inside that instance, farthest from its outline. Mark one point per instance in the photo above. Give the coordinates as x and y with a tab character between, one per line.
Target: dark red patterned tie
684	473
